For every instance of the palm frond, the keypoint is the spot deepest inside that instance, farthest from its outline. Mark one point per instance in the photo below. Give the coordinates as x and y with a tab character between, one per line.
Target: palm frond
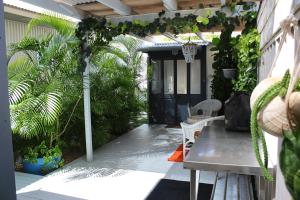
49	105
17	91
27	45
118	53
24	121
19	67
62	26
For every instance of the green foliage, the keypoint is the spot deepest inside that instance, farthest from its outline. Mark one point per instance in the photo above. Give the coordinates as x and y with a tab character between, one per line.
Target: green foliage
42	84
290	161
99	32
50	155
40	78
247	52
115	94
224	57
235	52
45	89
57	22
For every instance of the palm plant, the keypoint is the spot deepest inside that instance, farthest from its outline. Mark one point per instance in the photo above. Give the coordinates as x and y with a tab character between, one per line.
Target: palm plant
116	73
46	86
125	50
44	80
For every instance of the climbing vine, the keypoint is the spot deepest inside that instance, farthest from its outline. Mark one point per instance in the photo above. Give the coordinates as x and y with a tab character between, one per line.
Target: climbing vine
247	52
234	52
98	32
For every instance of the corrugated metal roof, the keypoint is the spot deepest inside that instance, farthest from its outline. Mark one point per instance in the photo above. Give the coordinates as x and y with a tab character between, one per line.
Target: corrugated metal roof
14	5
167	46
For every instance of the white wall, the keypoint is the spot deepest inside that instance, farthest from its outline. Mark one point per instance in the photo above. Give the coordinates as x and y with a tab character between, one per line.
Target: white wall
272	12
15	31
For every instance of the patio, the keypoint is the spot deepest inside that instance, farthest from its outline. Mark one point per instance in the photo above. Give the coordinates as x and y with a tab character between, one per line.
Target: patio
78	85
127	168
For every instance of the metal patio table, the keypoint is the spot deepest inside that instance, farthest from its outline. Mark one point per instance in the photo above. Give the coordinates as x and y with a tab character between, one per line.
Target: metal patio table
224	151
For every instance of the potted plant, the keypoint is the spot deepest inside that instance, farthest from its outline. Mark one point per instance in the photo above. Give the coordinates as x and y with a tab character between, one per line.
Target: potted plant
42	159
237	107
43	92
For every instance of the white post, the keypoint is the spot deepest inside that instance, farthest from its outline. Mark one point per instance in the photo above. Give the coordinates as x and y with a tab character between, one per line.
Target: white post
7	172
87	112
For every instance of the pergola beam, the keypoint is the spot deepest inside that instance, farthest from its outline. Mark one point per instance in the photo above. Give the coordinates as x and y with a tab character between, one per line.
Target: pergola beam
150	17
118	6
7	173
170	5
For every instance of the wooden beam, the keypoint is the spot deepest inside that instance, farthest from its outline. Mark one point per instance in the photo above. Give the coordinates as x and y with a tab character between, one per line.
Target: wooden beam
170	5
172	37
92	7
223	2
150	17
118	6
103	12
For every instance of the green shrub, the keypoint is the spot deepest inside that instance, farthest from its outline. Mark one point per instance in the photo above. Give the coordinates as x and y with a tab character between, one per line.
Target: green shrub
247	50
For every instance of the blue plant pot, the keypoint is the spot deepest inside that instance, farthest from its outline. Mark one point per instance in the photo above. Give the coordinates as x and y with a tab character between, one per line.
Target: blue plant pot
39	168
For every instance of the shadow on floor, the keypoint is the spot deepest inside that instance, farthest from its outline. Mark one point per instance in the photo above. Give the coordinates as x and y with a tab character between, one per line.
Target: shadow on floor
37	194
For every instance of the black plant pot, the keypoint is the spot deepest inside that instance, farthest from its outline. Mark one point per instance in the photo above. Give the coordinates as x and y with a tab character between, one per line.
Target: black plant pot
237	112
229	73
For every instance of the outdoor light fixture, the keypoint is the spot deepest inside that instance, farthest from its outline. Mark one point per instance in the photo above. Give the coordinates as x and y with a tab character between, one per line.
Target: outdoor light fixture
189	51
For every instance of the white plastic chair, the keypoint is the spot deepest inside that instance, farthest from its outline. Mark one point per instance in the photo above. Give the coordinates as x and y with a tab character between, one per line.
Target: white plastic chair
209	108
189	130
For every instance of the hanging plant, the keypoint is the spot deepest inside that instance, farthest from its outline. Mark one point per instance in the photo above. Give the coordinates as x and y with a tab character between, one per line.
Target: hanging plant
276	109
189	51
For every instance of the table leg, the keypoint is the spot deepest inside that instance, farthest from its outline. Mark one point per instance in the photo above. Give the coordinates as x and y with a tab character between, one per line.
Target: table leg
225	188
261	184
194	183
269	190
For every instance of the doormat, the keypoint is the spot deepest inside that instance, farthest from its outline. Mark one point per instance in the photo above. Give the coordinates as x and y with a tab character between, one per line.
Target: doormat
177	156
178	190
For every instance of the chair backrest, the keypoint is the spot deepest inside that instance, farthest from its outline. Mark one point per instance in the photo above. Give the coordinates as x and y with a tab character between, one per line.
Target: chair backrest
209	107
190	129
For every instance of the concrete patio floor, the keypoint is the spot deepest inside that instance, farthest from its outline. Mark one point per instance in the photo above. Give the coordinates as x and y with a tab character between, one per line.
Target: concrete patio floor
127	168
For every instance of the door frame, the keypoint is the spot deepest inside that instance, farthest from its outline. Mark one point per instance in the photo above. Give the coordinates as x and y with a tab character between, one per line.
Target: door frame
161	56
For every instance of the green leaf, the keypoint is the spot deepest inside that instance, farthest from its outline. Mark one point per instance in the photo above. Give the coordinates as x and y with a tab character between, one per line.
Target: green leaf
195	28
55	21
17	91
296	193
203	20
208	13
216	41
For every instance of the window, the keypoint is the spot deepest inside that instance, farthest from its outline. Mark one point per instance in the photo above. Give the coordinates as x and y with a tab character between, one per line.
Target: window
196	77
168	77
156	77
181	77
